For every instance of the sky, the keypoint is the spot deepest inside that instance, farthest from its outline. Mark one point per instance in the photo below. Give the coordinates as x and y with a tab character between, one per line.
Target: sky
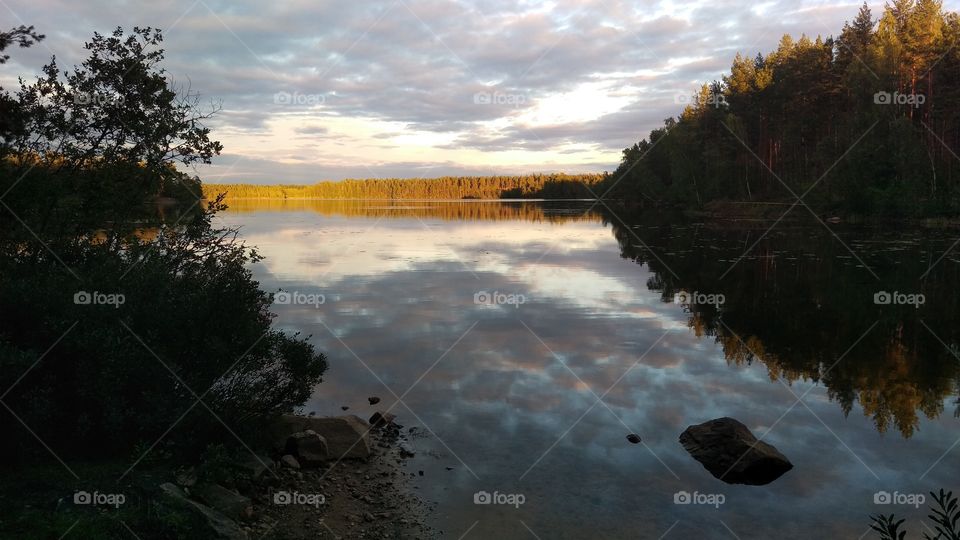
325	90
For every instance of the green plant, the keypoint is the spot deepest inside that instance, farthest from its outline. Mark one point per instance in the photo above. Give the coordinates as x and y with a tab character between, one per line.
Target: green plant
888	527
945	516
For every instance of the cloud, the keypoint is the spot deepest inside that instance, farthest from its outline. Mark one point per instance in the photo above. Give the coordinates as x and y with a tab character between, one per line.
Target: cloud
472	83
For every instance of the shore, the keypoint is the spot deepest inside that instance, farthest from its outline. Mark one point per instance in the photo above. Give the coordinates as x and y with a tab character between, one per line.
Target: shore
242	497
363	499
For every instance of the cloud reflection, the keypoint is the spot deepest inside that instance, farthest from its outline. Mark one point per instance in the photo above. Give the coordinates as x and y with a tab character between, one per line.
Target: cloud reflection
400	294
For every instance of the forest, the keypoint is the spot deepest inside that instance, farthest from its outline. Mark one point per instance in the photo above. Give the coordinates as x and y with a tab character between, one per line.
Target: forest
546	186
866	123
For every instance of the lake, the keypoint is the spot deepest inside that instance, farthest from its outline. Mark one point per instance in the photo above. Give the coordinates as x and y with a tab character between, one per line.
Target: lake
525	340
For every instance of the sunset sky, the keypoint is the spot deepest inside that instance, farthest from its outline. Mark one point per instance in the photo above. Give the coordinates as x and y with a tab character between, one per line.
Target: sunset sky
397	88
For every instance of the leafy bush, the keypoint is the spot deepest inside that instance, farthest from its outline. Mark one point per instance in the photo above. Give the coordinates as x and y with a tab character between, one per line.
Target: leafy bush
193	324
178	345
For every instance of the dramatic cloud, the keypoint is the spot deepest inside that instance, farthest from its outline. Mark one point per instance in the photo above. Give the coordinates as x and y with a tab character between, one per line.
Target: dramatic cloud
329	90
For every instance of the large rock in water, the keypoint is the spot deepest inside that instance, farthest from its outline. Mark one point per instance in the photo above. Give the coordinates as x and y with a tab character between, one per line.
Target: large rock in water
732	454
345	436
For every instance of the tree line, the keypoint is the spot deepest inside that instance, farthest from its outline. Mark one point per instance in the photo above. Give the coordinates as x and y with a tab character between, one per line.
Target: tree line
547	186
867	123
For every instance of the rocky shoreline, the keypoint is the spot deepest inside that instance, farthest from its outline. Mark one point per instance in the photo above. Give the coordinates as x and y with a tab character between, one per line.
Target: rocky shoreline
325	477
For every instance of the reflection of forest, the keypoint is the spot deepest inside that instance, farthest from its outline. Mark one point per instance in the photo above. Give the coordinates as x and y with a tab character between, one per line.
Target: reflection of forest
800	303
446	210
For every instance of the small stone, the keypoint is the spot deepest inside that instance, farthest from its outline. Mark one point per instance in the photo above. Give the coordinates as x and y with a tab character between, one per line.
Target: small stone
344	407
634	438
373	400
187	477
289	461
381	419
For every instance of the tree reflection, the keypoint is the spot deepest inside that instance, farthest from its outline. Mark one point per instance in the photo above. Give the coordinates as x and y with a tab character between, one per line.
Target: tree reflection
801	304
445	210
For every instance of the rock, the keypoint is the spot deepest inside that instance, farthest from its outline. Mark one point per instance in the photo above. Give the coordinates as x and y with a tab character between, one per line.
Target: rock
346	436
634	438
731	453
373	400
309	448
381	419
216	524
186	477
290	462
405	450
222	499
259	469
344	407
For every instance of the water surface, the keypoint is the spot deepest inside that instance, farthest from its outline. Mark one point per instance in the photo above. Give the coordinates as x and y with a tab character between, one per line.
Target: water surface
861	397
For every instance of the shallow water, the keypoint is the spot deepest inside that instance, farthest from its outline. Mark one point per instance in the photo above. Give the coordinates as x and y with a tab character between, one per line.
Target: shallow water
861	397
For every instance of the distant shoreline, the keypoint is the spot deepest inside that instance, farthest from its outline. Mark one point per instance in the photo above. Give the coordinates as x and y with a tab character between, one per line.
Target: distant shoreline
469	200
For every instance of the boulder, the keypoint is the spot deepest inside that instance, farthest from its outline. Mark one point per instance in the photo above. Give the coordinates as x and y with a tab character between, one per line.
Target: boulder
731	453
223	500
309	448
381	419
346	436
216	525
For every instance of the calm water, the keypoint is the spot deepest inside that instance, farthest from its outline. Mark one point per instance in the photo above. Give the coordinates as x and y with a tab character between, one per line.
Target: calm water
507	395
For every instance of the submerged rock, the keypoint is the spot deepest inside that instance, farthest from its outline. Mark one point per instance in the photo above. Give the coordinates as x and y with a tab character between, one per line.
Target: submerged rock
731	453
